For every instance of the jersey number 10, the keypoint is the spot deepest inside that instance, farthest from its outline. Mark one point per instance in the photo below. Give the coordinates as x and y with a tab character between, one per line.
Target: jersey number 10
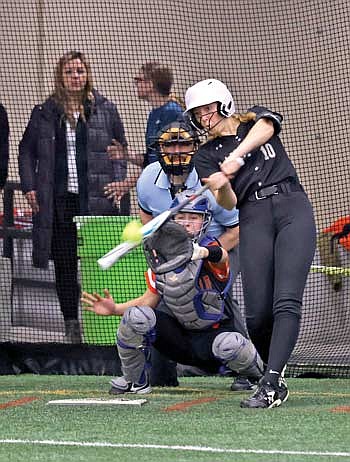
268	151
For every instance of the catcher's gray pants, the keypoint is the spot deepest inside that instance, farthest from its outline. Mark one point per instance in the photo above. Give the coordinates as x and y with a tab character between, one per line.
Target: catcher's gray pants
134	338
208	349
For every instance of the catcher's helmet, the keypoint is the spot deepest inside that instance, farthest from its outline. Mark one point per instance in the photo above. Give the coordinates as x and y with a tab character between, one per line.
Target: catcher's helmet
180	161
199	205
207	92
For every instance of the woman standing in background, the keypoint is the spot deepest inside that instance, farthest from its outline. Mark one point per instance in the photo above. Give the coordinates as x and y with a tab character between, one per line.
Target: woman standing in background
64	167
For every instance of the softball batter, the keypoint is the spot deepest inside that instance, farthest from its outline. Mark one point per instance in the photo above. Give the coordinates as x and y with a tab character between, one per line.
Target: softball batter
247	166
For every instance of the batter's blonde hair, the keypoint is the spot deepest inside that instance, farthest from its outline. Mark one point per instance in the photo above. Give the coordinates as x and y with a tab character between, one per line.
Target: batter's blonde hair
236	118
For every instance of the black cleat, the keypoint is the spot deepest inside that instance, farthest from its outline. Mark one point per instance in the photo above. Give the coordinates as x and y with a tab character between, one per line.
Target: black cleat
267	396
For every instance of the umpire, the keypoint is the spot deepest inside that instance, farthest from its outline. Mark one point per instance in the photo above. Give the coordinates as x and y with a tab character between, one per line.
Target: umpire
176	145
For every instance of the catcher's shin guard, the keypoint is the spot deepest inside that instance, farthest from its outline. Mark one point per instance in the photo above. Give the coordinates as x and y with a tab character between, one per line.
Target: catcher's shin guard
239	354
134	337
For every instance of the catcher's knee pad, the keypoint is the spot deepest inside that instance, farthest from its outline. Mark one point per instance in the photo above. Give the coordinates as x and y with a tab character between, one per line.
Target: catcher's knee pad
141	319
136	327
135	334
238	353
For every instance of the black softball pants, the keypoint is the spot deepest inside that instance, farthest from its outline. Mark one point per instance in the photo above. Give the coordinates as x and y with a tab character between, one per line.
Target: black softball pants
277	245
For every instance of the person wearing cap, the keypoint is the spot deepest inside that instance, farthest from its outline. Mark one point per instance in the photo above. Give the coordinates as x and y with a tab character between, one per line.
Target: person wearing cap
247	166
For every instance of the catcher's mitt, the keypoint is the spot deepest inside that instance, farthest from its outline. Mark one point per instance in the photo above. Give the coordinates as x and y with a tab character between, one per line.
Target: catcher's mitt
168	248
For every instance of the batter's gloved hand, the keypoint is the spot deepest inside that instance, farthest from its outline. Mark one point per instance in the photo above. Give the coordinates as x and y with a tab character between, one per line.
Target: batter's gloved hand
199	252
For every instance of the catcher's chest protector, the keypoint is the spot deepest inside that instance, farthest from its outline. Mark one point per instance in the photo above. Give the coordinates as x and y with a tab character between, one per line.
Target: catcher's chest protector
194	307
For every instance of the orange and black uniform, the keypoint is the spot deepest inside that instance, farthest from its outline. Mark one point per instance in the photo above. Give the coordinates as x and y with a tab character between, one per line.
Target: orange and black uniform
193	346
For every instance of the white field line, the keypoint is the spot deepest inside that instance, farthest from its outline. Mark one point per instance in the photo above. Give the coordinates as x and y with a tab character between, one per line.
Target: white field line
173	448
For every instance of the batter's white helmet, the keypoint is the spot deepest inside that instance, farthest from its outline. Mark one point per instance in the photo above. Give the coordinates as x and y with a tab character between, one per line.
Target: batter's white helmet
207	92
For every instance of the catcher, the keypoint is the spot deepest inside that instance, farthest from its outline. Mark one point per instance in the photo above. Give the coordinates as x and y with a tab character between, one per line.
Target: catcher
182	313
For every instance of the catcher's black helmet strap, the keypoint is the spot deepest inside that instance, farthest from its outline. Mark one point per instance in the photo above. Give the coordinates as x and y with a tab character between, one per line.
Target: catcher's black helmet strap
176	188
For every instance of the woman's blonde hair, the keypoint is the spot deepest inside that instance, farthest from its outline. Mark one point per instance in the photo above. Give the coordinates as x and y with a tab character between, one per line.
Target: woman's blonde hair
60	94
238	117
245	116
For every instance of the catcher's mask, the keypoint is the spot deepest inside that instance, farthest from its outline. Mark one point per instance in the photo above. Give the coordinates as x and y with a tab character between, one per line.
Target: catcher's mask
200	205
177	143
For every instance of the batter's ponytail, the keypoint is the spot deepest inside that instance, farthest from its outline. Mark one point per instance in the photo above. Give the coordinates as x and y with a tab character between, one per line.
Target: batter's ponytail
245	117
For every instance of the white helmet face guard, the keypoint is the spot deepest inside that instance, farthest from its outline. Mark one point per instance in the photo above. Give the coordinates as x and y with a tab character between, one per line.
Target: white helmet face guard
197	235
200	205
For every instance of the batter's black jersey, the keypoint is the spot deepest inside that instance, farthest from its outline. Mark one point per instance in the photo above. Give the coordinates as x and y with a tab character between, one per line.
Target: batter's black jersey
263	167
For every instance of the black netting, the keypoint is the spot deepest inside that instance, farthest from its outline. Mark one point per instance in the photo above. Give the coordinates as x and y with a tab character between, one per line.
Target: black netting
290	56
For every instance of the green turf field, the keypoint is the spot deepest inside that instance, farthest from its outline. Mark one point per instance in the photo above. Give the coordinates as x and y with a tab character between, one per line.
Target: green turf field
199	421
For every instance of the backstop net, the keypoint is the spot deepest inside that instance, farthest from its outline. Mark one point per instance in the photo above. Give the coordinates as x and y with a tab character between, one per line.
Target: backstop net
291	56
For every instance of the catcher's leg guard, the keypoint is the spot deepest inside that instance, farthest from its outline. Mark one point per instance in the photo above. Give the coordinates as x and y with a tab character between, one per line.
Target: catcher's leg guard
238	353
134	337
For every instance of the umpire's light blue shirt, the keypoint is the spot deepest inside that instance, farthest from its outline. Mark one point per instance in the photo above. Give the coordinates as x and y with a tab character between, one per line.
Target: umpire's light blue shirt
153	194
